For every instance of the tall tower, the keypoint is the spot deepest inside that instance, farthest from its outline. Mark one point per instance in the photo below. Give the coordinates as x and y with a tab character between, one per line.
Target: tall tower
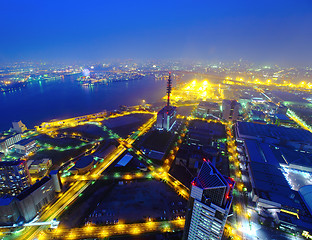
209	204
166	116
169	90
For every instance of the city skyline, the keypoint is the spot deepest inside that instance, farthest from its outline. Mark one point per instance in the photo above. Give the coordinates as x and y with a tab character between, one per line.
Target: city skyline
264	31
172	120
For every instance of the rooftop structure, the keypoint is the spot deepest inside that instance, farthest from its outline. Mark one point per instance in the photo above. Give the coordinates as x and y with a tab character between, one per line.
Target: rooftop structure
293	159
83	165
292	137
7	140
25	146
209	204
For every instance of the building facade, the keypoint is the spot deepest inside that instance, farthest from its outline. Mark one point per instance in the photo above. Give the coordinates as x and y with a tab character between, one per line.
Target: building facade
7	141
26	205
14	177
230	110
34	198
19	127
166	118
209	204
25	146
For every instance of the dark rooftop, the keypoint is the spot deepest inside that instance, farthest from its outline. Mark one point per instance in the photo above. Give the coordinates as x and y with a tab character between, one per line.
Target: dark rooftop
84	161
11	163
209	177
167	109
25	141
260	152
4	201
157	140
273	131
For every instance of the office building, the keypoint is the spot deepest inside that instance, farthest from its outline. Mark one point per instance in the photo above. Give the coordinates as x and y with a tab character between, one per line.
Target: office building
7	140
209	204
19	127
208	109
230	110
34	198
166	116
14	177
25	146
26	205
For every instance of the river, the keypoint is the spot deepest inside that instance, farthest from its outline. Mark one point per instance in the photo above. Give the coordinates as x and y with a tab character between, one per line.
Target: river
44	101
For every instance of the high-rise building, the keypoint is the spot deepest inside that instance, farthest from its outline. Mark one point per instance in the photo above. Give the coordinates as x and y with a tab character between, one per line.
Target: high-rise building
209	204
230	109
14	177
166	116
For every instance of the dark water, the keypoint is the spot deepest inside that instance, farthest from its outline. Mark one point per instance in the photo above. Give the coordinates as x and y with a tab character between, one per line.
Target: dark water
43	101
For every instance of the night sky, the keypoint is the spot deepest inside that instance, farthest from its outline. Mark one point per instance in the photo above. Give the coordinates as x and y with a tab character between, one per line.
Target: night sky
272	31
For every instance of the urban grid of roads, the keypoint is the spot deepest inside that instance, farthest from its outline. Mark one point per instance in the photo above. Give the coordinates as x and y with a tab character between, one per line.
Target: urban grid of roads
238	227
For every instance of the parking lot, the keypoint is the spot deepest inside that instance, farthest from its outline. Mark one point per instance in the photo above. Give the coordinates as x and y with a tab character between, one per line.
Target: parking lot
137	201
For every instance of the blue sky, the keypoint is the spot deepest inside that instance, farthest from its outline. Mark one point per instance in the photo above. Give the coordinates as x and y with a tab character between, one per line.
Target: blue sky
261	31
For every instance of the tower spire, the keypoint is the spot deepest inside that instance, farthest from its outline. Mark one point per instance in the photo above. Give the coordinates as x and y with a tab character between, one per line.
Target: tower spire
169	89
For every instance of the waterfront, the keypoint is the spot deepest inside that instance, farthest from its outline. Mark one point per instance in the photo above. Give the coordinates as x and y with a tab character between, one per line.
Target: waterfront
44	101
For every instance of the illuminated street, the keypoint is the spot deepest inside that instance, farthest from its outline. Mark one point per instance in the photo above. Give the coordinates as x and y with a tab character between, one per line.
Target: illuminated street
65	199
163	120
118	229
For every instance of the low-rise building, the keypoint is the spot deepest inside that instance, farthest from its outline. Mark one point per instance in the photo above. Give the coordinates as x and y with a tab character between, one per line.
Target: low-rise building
7	140
206	109
19	126
273	194
299	139
25	146
39	166
230	110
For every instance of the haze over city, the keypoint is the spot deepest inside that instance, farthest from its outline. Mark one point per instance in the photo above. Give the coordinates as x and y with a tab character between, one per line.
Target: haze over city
155	120
266	32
